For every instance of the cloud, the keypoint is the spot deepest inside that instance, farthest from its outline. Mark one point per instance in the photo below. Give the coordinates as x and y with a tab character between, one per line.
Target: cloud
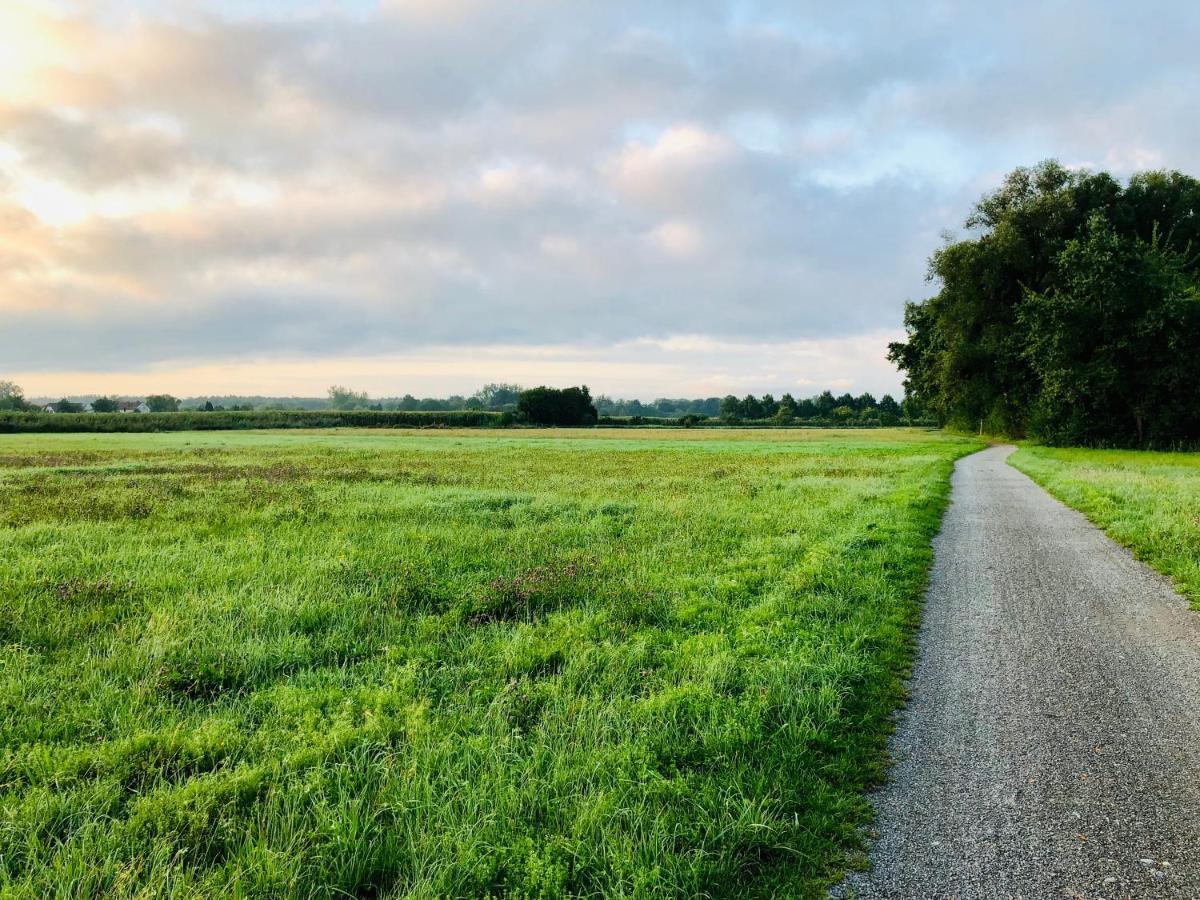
233	181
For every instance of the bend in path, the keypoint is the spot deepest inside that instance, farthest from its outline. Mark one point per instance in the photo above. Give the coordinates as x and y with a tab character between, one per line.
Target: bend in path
1051	747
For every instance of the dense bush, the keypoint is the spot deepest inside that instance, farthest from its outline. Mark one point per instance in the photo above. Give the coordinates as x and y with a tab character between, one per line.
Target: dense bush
554	406
222	421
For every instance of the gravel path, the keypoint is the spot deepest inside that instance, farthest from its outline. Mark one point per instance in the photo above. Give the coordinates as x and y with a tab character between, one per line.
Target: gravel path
1052	744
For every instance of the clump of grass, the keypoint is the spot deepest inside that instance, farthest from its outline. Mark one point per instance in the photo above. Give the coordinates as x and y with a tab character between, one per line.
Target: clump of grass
361	663
528	595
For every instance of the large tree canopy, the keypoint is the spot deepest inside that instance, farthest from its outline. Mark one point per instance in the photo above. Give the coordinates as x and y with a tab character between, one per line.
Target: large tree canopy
1072	311
552	406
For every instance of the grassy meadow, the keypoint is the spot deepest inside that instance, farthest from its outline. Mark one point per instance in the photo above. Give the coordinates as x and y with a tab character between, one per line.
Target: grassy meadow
1148	501
523	664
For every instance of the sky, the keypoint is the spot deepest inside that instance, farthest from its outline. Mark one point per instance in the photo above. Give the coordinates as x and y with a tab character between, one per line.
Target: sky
659	198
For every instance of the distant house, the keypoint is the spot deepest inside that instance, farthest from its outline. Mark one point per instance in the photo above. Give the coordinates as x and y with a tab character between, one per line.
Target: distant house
129	406
87	407
56	407
141	407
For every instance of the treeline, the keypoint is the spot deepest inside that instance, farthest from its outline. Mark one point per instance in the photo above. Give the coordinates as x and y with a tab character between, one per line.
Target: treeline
823	408
509	405
230	420
1072	314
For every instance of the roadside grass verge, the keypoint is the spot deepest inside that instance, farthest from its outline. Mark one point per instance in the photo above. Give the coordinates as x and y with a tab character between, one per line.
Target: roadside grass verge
460	664
1148	501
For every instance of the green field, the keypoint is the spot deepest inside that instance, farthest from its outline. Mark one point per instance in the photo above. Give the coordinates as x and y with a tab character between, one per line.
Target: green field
419	664
1150	502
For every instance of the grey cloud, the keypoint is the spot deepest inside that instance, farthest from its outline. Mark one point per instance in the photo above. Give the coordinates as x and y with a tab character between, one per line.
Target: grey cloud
472	172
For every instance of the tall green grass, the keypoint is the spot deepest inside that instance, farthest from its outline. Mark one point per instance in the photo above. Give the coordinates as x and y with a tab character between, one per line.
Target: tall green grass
1148	501
452	664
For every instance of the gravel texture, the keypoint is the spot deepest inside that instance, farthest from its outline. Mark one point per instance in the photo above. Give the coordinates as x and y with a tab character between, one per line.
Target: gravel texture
1051	747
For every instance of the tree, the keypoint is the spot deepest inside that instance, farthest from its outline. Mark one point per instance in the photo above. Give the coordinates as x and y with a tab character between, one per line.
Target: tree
343	398
551	406
1114	342
731	409
752	407
807	408
889	410
208	406
162	403
498	395
1003	340
66	406
824	403
993	344
12	398
105	405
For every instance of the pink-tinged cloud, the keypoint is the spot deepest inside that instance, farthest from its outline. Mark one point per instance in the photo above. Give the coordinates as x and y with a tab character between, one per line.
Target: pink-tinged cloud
280	189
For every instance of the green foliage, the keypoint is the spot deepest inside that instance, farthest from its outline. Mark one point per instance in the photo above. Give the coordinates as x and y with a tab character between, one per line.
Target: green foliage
452	664
343	398
568	407
12	398
1071	313
160	403
1150	502
105	404
731	409
498	396
1115	342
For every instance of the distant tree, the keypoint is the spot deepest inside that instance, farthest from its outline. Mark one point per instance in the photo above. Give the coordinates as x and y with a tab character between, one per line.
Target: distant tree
66	406
889	410
498	395
843	413
162	403
864	401
208	407
824	403
787	403
912	408
846	400
769	406
341	397
784	414
752	407
552	406
105	405
731	409
12	398
807	408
